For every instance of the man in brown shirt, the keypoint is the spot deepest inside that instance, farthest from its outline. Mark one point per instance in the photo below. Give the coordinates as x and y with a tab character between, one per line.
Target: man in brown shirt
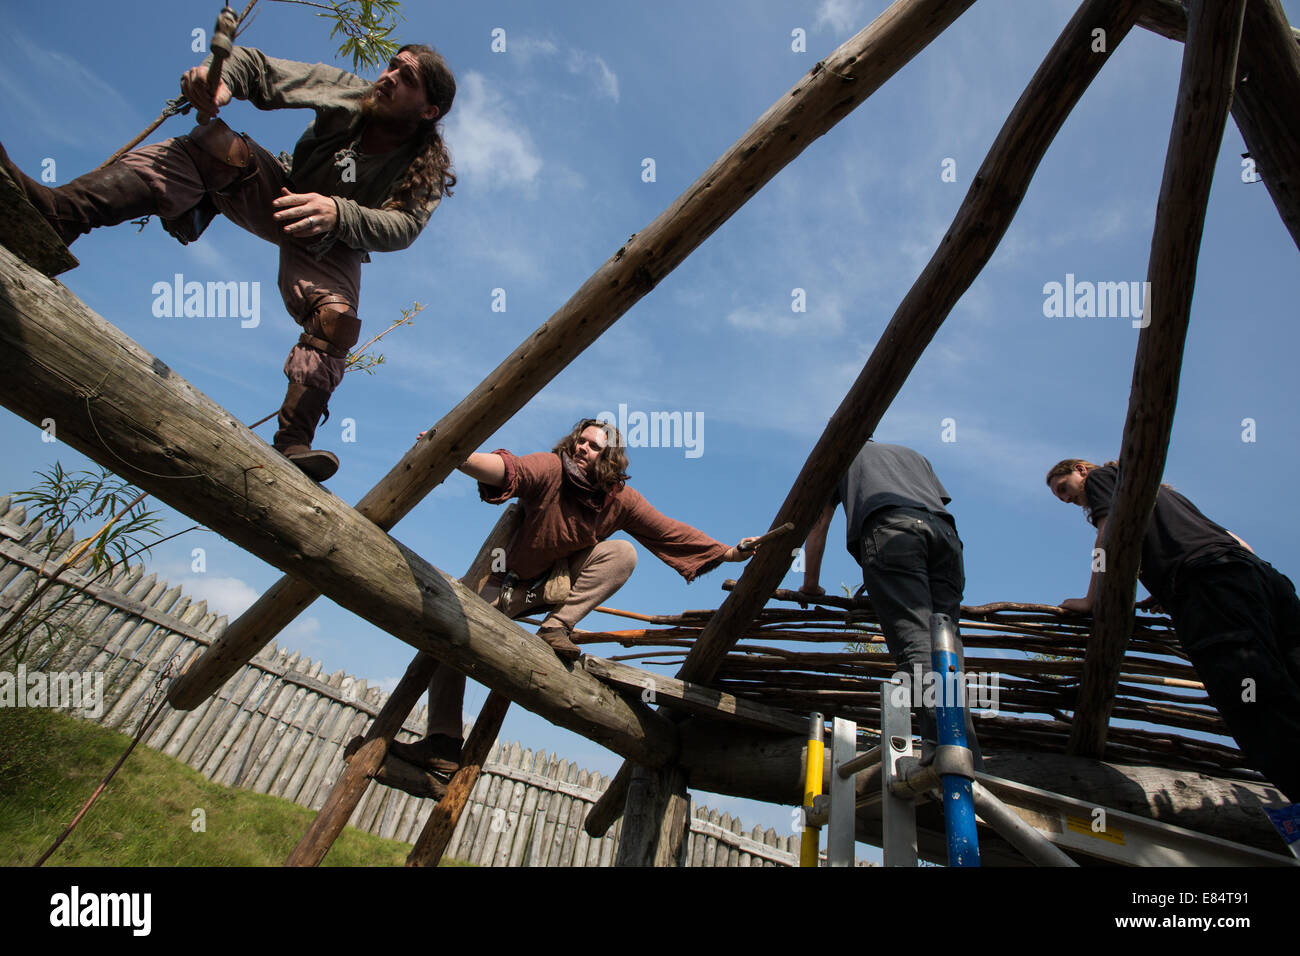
573	499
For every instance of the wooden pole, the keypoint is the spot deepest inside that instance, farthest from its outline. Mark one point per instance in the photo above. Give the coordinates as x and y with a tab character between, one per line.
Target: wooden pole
352	782
828	93
1266	104
1204	95
609	805
768	767
1267	95
981	221
125	409
440	826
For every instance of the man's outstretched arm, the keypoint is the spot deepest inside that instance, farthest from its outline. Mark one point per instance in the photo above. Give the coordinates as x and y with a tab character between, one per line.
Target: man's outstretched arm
488	468
1083	605
813	550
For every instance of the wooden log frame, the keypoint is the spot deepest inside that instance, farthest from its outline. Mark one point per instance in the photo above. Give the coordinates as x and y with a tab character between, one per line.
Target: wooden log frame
438	829
1204	95
365	763
982	219
1267	97
829	92
769	768
127	410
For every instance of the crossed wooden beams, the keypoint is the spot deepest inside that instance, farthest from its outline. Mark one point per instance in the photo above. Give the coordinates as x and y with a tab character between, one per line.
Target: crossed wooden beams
197	459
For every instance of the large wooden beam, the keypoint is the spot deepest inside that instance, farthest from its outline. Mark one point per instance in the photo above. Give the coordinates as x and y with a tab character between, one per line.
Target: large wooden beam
828	93
1267	97
769	767
441	825
122	407
1266	105
983	218
351	784
1204	95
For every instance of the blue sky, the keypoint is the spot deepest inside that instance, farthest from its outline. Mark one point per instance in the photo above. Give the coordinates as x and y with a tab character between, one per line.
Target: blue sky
549	139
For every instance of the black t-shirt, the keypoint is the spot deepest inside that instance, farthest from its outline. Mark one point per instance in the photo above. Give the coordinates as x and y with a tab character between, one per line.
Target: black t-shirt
1178	532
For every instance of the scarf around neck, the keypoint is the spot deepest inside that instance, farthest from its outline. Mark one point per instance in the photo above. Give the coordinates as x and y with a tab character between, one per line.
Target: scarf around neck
580	486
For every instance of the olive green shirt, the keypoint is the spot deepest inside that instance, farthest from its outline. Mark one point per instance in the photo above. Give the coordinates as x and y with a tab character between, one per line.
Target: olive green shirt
328	158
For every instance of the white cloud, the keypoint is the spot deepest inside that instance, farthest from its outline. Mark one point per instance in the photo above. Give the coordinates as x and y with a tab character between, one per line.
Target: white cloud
578	62
490	147
842	16
822	319
303	631
583	63
229	596
39	73
526	48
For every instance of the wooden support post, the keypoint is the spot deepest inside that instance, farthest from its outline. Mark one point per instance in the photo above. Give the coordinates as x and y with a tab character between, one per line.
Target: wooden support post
440	826
1267	96
1204	95
828	93
127	410
981	221
655	819
352	782
609	806
1266	103
983	218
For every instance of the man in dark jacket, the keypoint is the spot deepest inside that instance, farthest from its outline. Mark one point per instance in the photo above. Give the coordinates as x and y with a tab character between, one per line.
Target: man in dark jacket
899	531
364	177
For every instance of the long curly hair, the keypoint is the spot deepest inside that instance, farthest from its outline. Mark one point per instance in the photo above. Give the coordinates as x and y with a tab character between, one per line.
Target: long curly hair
611	465
430	174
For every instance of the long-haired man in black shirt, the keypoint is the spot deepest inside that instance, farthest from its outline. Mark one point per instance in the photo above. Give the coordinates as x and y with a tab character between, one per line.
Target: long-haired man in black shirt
1237	617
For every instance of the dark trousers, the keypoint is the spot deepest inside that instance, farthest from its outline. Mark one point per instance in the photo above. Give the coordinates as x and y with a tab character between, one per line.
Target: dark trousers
912	568
1238	619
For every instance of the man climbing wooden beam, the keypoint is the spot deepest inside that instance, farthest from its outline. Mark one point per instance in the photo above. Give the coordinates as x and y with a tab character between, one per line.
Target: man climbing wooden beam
122	407
365	177
827	94
563	560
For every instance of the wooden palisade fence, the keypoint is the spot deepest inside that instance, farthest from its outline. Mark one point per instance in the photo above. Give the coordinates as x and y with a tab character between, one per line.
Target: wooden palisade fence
279	726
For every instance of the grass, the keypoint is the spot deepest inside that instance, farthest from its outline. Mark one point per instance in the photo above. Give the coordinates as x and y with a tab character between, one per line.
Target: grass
50	763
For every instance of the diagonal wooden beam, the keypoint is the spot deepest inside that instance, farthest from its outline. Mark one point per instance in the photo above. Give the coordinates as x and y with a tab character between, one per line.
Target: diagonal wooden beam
829	92
1267	95
122	407
1204	95
352	782
981	221
983	218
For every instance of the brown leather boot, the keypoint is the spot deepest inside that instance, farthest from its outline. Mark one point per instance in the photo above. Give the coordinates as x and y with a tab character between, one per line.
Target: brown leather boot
102	197
301	412
436	753
558	639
